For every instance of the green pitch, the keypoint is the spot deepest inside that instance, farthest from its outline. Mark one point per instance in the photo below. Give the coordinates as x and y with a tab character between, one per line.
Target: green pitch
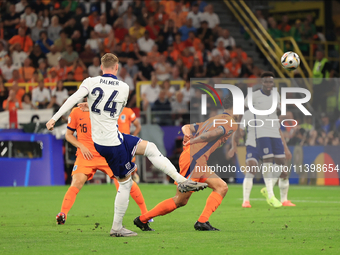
27	223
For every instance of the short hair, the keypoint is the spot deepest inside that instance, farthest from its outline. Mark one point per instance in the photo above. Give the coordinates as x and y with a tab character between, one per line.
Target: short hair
43	32
62	32
26	94
109	60
70	73
267	74
228	102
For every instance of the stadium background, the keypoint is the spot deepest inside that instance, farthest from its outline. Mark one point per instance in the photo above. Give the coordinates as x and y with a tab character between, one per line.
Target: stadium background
48	47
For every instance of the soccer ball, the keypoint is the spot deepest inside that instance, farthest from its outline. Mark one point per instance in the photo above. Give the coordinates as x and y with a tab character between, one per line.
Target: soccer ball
290	60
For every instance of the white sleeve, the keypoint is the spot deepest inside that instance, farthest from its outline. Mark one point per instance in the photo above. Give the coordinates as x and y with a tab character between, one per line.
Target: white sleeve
34	96
70	102
217	19
233	43
48	95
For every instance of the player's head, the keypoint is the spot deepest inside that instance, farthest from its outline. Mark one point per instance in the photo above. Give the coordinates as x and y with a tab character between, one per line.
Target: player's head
267	81
228	102
109	63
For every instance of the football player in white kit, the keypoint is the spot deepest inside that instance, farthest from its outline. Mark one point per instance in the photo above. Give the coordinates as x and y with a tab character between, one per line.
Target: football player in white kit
270	143
107	97
252	154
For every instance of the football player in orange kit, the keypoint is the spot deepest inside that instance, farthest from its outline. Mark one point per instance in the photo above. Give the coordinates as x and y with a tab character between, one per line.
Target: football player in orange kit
126	117
200	140
87	163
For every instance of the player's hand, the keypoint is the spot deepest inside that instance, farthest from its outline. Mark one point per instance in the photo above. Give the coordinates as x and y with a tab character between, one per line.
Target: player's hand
86	152
186	142
84	107
50	124
185	138
288	154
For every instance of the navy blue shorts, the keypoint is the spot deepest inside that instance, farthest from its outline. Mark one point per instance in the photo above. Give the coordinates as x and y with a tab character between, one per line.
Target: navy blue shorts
270	147
252	153
119	157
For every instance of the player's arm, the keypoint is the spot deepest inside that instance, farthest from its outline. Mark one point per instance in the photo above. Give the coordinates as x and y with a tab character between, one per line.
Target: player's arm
138	126
70	102
287	151
207	136
236	136
188	129
84	150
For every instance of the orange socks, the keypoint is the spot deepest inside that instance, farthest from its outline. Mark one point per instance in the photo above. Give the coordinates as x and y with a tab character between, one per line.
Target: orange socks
69	199
213	201
136	194
165	207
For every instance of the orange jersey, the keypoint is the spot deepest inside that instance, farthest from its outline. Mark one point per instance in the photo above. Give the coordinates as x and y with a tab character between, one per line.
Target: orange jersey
80	121
125	119
200	152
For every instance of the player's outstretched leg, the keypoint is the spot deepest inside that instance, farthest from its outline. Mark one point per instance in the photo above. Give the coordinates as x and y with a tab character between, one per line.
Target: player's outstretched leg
78	181
163	208
121	205
151	151
220	189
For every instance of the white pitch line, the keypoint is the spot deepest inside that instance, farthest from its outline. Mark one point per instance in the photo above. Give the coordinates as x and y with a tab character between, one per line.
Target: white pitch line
300	201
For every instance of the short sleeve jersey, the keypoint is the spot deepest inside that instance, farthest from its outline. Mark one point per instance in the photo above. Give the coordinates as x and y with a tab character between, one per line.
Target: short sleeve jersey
125	119
80	121
107	96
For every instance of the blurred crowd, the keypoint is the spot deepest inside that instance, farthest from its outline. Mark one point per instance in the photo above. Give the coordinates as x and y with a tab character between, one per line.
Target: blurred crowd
49	42
304	31
53	45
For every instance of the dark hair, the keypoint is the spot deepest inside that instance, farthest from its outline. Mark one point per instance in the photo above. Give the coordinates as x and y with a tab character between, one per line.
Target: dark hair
228	102
72	73
26	94
62	32
267	74
43	32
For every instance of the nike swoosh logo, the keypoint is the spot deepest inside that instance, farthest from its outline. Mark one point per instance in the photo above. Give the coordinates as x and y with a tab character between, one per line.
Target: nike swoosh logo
81	119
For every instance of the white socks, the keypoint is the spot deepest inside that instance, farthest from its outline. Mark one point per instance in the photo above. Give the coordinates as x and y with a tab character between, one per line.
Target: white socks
284	186
277	172
247	186
121	203
268	178
162	163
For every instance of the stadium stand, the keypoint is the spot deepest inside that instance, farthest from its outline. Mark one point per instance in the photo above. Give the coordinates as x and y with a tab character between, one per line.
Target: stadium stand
48	47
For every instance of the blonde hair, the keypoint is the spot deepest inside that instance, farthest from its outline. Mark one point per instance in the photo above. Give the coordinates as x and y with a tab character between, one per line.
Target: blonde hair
109	60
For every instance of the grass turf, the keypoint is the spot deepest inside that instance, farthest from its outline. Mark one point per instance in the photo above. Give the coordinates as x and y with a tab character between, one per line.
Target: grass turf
27	223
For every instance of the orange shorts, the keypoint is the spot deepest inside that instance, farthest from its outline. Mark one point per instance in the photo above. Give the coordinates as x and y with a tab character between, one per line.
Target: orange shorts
200	171
90	167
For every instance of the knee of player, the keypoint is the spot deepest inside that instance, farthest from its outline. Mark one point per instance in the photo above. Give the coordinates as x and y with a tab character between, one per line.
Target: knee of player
180	201
225	188
151	150
78	184
268	160
280	161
